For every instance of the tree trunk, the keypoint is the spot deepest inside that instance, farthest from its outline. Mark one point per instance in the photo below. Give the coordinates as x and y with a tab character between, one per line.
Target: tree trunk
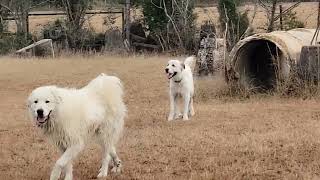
21	10
127	22
281	17
75	10
271	18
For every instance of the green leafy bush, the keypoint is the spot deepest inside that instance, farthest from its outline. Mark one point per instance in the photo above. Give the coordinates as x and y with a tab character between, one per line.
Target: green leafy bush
290	21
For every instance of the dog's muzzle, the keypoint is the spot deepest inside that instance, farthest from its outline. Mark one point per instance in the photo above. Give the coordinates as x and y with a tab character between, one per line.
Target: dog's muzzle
170	75
41	119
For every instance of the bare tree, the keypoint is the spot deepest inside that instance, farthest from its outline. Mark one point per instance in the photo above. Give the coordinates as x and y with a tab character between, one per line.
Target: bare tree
237	22
250	27
19	10
180	22
270	7
271	17
76	11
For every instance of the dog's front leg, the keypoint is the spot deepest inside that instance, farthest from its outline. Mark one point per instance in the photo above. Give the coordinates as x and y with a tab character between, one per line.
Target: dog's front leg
192	113
172	104
116	161
68	171
186	106
64	160
177	113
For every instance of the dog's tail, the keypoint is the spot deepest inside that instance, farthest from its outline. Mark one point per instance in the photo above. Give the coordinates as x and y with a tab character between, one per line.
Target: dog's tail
190	61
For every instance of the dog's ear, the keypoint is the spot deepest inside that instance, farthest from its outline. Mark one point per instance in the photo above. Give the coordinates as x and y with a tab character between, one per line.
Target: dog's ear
183	66
28	102
56	95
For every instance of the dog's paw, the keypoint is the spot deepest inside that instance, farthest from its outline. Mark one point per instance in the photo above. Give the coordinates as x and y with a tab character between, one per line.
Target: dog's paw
68	177
117	167
103	173
178	116
171	116
55	174
185	118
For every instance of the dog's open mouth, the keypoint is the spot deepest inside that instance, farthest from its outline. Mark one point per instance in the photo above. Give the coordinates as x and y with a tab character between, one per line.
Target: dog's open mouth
171	75
42	120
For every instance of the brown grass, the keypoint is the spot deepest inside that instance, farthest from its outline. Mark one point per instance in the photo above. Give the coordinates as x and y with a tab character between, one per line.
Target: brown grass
228	138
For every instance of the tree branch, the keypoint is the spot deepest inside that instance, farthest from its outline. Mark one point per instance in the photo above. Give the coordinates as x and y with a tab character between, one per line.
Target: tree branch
173	24
250	26
156	5
6	7
12	12
287	10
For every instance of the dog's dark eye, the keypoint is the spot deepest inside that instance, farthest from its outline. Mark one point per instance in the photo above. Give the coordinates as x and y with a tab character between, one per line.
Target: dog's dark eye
173	65
35	101
47	101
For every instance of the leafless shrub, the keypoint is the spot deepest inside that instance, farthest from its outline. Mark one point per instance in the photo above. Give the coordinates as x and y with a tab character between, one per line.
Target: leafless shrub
297	86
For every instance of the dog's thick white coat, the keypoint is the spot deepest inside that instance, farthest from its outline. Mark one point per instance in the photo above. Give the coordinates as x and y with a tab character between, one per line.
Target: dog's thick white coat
73	117
181	84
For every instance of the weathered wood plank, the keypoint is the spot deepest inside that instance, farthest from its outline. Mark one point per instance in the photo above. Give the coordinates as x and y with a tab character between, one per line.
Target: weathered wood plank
42	42
309	66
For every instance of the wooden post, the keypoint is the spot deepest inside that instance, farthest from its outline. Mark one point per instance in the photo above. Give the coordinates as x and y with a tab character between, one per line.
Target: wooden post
123	22
52	49
315	36
318	24
27	23
271	18
309	64
127	22
281	16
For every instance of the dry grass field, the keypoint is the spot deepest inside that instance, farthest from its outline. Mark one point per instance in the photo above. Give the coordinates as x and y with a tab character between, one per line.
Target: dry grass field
264	137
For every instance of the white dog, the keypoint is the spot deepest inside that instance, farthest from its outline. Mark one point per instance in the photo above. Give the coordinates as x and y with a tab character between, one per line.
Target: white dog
73	117
181	84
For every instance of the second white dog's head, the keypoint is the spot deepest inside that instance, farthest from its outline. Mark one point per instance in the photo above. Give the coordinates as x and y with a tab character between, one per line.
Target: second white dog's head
174	68
42	102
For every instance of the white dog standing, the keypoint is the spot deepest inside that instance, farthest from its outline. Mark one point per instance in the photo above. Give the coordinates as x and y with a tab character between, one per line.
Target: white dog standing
181	84
72	117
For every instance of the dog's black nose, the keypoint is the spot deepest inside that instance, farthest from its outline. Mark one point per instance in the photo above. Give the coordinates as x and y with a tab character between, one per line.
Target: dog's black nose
40	112
166	70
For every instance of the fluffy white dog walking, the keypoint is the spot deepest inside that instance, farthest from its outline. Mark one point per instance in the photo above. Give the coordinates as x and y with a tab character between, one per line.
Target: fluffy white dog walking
73	117
181	84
